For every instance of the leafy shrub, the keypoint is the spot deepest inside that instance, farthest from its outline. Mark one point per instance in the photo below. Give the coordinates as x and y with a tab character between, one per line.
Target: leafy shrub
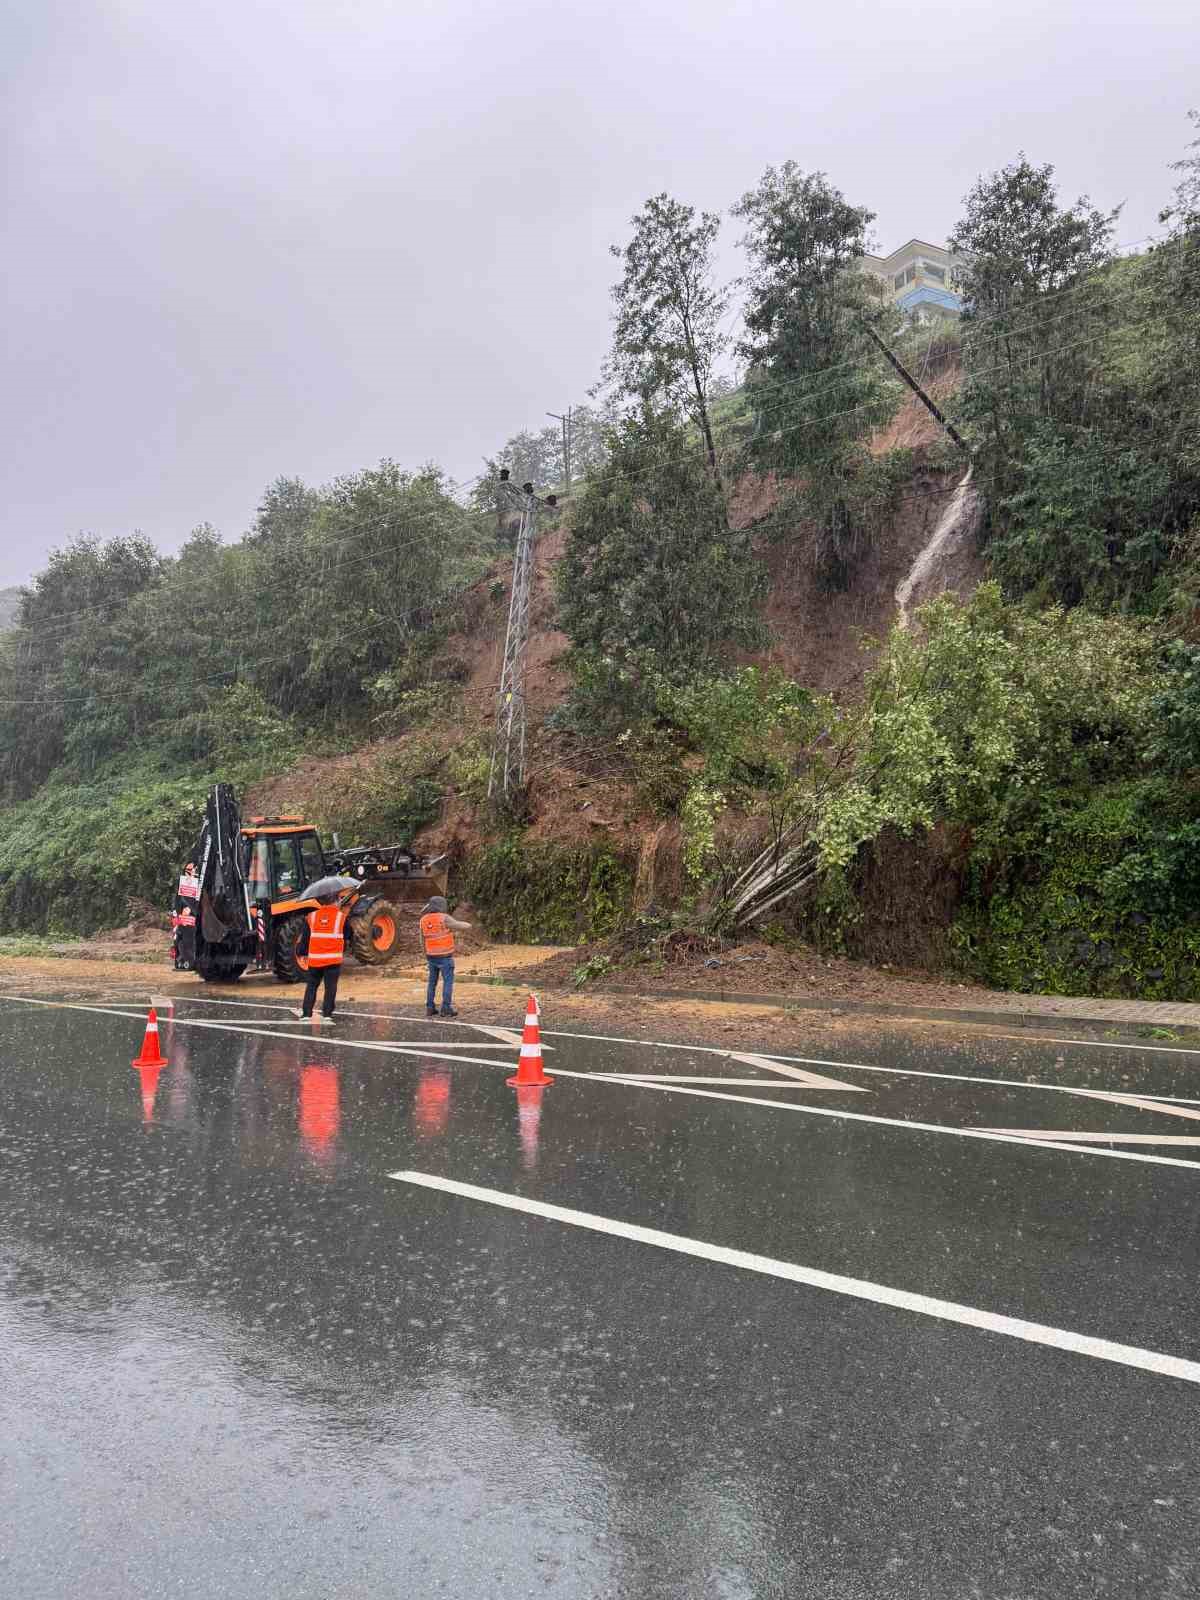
73	855
659	775
1100	898
468	768
532	893
388	800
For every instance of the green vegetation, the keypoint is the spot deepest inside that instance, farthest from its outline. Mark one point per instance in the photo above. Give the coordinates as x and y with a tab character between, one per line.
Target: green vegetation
532	893
1082	397
131	681
816	392
73	855
668	325
33	944
654	583
1021	776
386	800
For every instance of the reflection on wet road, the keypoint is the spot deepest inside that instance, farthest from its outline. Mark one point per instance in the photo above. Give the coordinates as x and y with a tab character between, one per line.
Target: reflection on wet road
241	1360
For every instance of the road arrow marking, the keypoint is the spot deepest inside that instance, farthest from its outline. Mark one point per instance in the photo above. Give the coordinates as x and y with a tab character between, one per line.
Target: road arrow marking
508	1035
810	1080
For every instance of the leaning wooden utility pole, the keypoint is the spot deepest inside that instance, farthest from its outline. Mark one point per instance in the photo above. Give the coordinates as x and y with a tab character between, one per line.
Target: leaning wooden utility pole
916	388
507	773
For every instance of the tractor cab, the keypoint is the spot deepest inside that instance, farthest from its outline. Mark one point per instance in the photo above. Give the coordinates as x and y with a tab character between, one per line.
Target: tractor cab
282	855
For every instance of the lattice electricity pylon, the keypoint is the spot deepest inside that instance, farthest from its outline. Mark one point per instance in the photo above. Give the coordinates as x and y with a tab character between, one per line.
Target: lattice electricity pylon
508	753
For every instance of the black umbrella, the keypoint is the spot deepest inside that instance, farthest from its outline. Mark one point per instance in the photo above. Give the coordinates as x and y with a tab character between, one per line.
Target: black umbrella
326	888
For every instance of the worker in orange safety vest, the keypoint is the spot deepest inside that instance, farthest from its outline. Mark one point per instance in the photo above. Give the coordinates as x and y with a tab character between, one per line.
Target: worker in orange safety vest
437	936
326	945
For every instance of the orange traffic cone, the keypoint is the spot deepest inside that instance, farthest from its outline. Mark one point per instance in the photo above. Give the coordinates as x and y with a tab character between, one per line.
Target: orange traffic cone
151	1055
529	1067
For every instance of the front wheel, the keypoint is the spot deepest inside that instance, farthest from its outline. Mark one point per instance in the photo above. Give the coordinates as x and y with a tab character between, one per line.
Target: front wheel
373	931
290	966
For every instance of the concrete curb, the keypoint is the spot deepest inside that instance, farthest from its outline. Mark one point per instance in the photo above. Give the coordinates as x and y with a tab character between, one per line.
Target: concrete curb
1035	1020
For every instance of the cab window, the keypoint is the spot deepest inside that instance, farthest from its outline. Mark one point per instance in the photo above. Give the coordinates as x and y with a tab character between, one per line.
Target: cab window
312	863
258	875
286	867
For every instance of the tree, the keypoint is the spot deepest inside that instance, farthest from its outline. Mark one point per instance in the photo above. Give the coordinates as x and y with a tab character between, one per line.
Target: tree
1023	352
284	513
814	382
68	641
386	548
1017	242
809	374
668	336
653	583
1080	394
590	428
1184	211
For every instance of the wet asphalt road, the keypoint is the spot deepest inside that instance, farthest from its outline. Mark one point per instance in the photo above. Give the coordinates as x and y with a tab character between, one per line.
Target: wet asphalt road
240	1359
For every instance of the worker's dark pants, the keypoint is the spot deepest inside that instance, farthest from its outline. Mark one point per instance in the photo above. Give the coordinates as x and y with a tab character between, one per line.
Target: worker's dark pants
316	976
440	967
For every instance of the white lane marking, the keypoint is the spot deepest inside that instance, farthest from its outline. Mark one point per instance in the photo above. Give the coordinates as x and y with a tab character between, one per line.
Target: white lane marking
1082	1344
674	1077
1146	1103
1039	1134
776	1061
808	1080
811	1080
295	1022
963	1077
207	1000
321	1036
1029	1037
1105	1044
863	1116
900	1072
507	1035
632	1082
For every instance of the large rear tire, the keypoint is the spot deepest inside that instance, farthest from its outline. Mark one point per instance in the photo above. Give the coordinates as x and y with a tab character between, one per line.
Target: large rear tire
290	966
374	931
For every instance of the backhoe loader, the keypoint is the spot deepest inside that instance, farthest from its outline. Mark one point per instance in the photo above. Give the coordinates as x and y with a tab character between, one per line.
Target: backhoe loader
243	897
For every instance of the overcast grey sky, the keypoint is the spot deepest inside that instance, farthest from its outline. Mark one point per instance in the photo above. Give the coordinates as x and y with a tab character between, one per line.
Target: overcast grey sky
261	237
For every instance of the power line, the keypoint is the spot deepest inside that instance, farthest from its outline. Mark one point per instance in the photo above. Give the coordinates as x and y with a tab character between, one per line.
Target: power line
1087	283
1030	359
70	620
445	602
612	478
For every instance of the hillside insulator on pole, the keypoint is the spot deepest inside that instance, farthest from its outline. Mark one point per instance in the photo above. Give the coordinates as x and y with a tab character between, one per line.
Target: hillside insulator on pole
508	753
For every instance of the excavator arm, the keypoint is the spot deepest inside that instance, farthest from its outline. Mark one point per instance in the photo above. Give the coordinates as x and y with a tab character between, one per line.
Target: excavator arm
224	895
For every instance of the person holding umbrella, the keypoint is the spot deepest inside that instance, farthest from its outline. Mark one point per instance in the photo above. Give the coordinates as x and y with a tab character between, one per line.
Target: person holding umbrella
324	945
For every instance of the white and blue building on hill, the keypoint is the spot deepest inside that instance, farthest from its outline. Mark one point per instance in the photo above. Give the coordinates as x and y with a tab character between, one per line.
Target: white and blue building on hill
920	279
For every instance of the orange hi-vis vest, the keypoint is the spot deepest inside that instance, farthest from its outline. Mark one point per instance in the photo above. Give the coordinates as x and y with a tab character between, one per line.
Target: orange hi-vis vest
326	944
437	934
